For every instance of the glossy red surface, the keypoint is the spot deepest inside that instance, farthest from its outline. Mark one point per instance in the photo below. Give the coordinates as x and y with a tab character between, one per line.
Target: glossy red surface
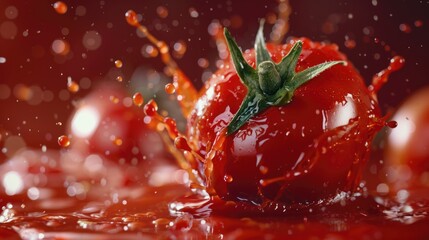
55	203
407	149
108	124
309	149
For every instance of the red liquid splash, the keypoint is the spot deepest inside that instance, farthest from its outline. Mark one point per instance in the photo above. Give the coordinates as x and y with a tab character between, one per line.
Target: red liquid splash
382	77
186	92
181	142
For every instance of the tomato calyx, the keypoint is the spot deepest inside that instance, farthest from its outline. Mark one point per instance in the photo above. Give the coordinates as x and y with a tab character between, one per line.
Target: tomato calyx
270	84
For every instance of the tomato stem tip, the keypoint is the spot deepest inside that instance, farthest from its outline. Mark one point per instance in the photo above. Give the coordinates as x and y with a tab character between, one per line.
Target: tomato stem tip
270	84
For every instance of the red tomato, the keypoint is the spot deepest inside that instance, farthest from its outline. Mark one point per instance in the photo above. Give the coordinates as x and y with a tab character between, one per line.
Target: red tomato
107	123
309	149
407	150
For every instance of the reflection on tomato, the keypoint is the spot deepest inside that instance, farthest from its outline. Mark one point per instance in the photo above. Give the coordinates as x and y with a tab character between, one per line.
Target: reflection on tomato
407	151
314	146
107	123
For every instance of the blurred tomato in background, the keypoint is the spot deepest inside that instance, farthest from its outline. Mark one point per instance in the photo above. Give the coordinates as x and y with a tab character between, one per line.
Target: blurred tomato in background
106	122
407	149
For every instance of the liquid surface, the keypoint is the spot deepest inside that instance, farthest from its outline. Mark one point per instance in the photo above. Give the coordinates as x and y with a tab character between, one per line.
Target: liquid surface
47	202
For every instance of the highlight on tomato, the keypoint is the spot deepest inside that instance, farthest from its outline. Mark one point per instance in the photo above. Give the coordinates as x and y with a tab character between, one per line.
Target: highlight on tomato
107	123
406	161
289	123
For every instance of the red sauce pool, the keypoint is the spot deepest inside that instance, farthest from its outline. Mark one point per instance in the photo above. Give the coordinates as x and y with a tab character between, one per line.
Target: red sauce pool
51	203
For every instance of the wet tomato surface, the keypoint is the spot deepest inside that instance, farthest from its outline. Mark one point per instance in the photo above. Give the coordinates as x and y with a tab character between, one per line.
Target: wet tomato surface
407	150
108	124
306	150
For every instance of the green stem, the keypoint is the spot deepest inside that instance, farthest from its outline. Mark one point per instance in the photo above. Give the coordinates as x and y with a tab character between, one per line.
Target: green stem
270	84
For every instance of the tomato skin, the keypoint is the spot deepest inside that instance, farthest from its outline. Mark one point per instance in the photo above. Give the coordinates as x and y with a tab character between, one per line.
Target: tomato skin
270	144
407	148
118	133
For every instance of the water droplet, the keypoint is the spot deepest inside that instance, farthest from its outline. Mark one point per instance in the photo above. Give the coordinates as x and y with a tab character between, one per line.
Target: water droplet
392	124
91	40
350	43
117	141
162	11
11	12
63	141
114	99
263	169
162	223
203	63
151	108
193	12
397	63
405	28
72	86
131	18
181	143
179	49
149	50
138	99
118	63
60	47
170	123
170	88
228	178
418	23
60	7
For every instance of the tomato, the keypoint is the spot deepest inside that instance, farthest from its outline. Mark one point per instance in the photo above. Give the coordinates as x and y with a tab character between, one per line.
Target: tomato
407	148
309	148
108	124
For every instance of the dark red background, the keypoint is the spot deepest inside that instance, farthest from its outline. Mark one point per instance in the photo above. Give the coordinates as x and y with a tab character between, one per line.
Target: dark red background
120	42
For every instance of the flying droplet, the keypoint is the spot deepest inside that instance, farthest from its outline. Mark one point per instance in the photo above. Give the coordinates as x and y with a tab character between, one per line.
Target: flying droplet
150	108
418	23
392	124
63	141
228	178
138	99
72	86
170	88
405	28
182	144
350	43
117	141
60	7
118	63
114	99
263	169
131	18
162	11
396	63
